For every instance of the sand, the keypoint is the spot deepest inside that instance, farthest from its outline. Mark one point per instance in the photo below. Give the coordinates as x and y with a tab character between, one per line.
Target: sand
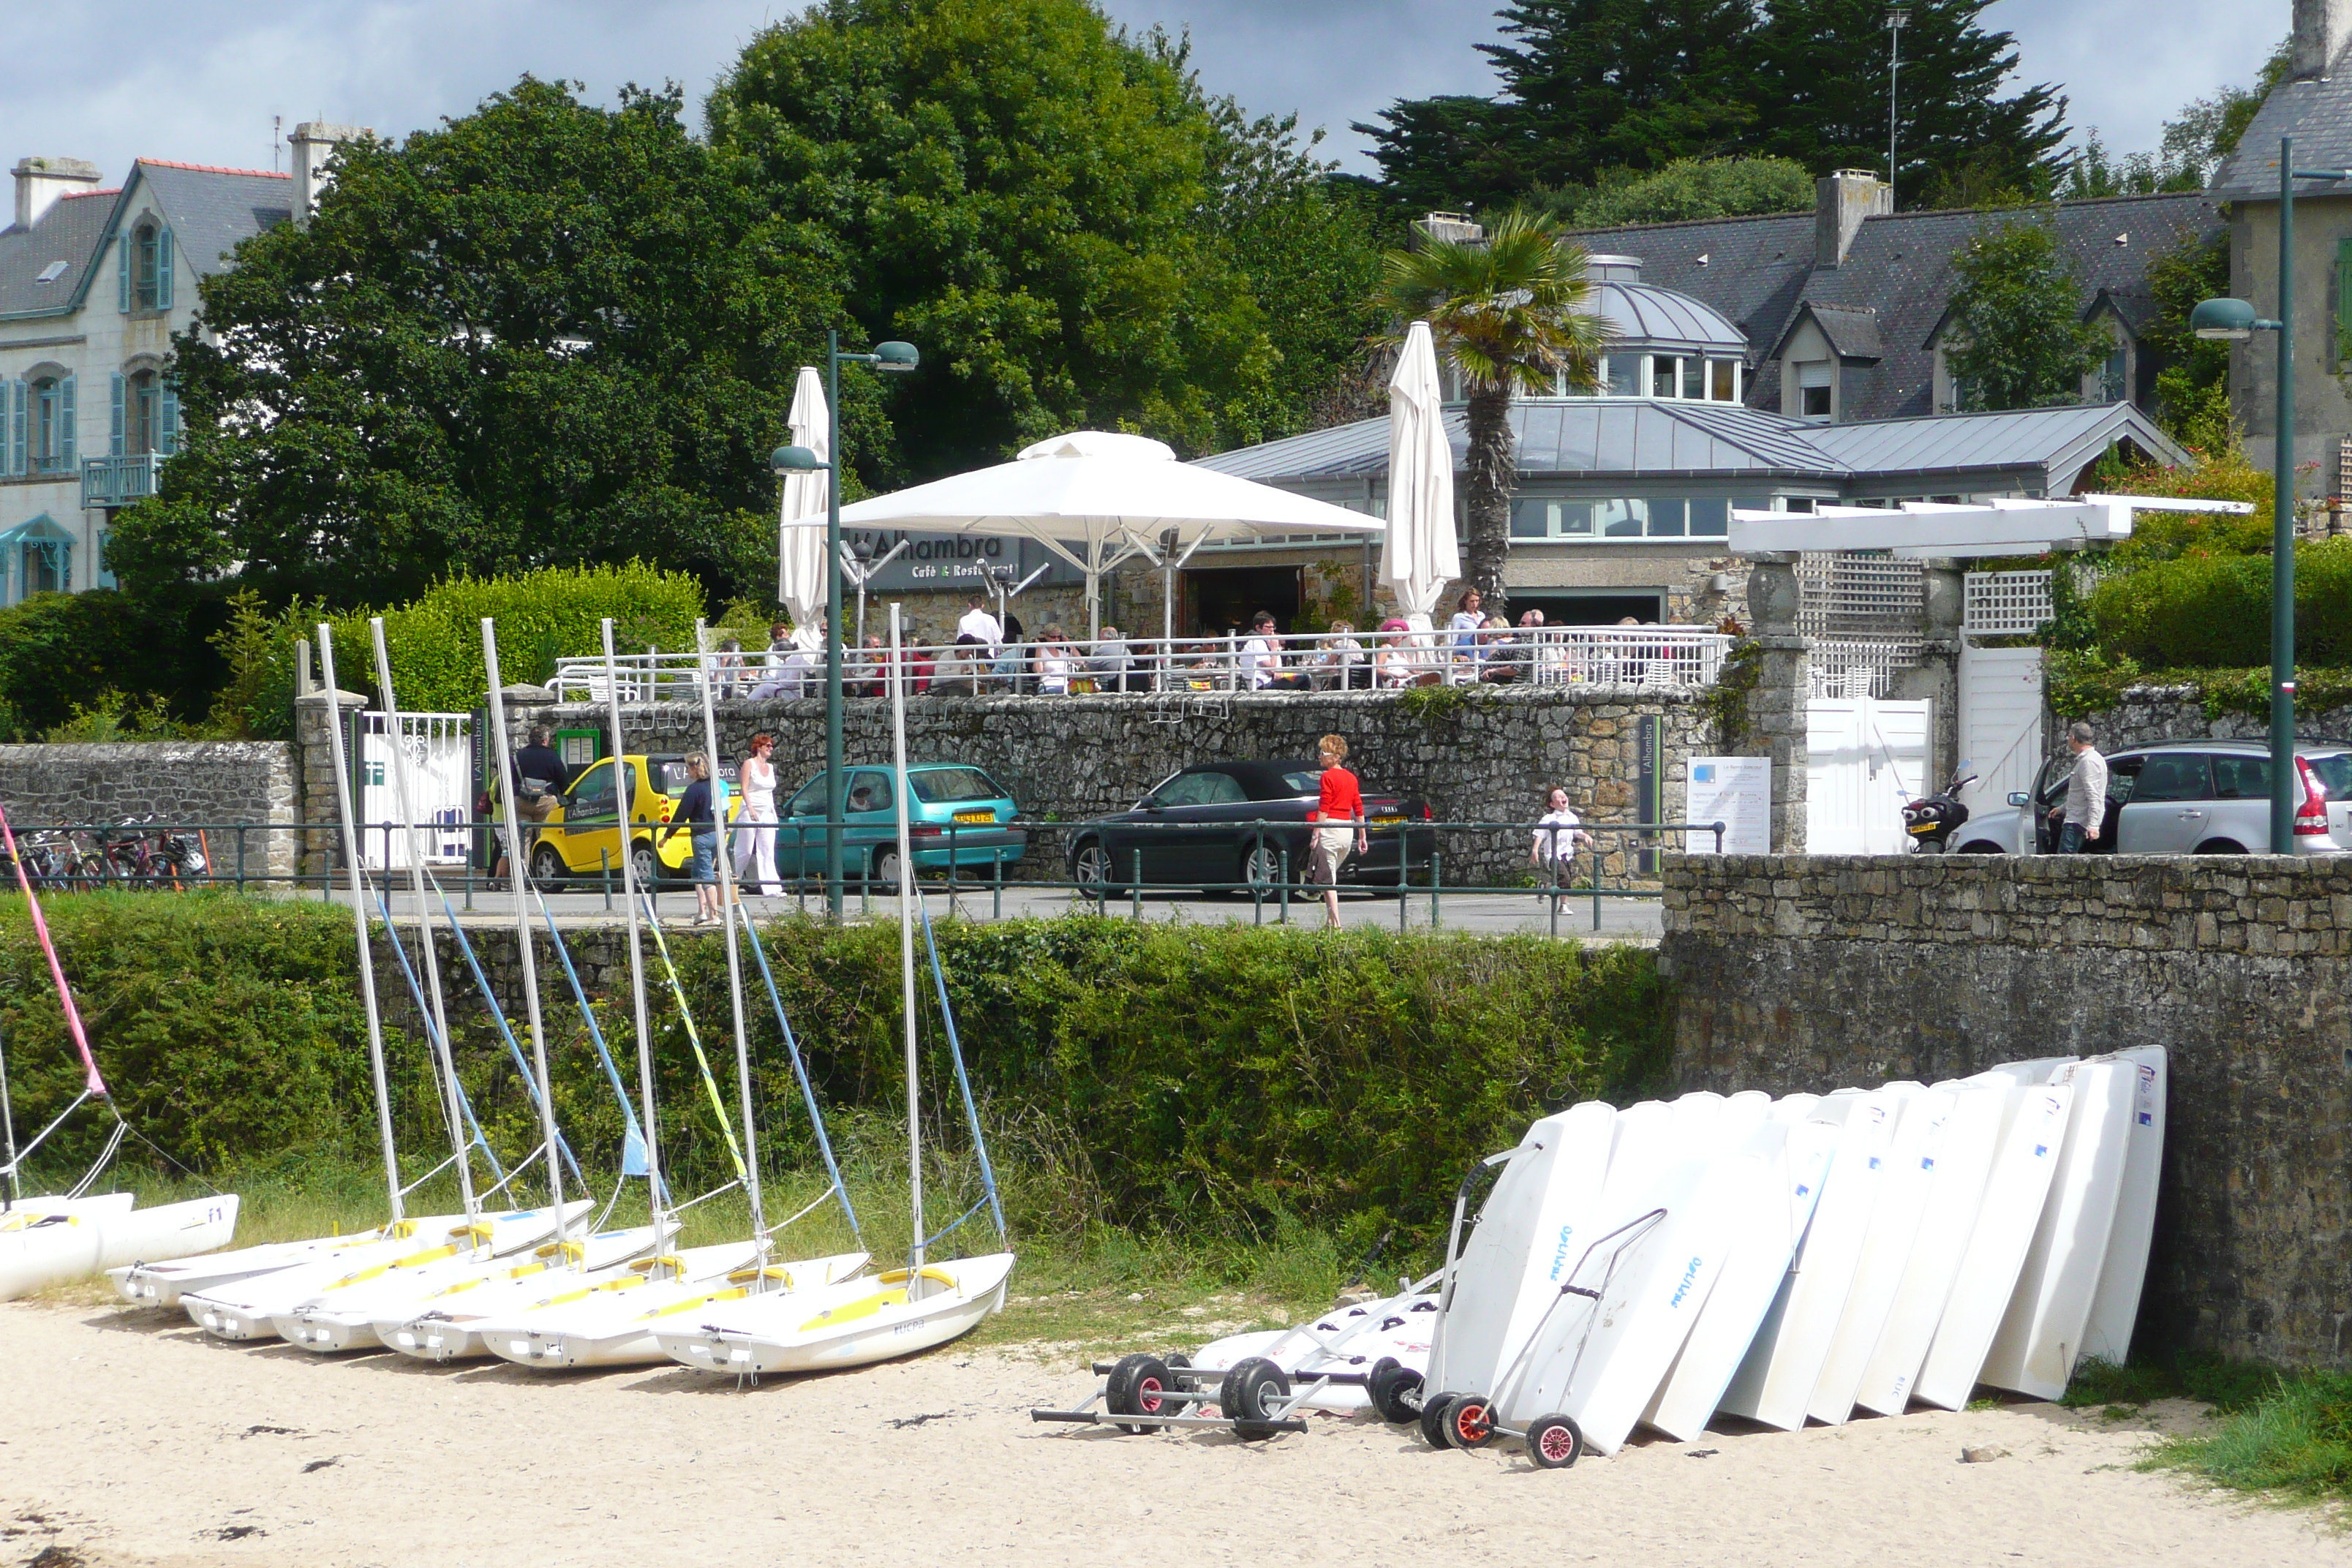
124	1438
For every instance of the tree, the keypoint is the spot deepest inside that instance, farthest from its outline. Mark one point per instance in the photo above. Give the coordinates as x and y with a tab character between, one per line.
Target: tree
1510	312
2015	324
1036	203
1686	189
544	334
2192	388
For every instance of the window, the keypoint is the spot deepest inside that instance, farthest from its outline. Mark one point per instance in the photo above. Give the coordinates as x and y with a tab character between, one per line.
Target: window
1813	391
2242	778
1667	518
1619	519
592	795
49	424
1695	378
1662	375
2115	376
1710	518
2343	300
1623	375
144	268
103	574
870	791
2168	777
1723	385
1542	517
942	787
1201	789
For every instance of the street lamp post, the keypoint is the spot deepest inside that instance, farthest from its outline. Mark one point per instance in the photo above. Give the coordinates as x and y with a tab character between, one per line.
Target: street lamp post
2235	321
891	357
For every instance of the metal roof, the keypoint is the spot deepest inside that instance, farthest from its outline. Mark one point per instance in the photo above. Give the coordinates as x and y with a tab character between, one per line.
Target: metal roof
1645	316
1642	437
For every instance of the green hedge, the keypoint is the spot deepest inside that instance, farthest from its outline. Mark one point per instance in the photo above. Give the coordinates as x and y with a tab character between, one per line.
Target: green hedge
2213	610
1187	1078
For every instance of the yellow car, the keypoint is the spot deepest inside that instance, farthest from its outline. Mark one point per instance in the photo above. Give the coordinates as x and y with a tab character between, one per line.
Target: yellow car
581	836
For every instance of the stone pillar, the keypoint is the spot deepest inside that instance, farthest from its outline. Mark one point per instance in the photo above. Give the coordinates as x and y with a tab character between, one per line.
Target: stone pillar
529	705
321	838
1777	707
1937	676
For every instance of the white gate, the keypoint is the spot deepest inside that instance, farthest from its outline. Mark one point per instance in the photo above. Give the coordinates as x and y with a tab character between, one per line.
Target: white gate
1867	758
440	768
2000	723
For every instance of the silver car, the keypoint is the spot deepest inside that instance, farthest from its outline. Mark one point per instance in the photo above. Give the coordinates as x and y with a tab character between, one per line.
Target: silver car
2197	797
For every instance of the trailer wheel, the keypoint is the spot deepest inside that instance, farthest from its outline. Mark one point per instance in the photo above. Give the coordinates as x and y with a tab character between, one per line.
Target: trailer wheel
1432	1418
1386	1385
1138	1385
1469	1422
1253	1384
1555	1443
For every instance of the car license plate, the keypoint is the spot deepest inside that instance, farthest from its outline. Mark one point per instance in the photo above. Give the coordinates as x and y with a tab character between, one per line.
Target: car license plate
1386	821
975	816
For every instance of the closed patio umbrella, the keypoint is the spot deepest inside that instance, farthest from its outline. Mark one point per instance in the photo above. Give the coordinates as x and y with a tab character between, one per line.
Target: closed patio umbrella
801	565
1419	556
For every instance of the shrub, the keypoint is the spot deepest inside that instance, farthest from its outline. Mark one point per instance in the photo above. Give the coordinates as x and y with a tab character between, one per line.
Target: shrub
2205	608
60	653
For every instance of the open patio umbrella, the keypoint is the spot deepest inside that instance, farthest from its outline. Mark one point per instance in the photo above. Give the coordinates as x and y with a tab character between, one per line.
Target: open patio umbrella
1419	556
801	565
1096	498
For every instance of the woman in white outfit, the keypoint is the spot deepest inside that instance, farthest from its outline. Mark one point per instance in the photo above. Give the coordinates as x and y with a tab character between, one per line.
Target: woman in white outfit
754	830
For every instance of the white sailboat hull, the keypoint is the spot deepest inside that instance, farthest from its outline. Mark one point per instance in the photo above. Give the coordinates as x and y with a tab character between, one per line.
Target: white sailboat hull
39	1250
855	1325
342	1317
427	1327
1352	1341
619	1328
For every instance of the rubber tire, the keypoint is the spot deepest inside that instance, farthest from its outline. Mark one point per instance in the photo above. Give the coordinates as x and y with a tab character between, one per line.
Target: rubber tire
1135	1388
1386	1385
1980	846
1469	1422
1243	1396
1433	1417
2220	847
1090	868
1555	1443
548	871
883	870
646	868
1261	866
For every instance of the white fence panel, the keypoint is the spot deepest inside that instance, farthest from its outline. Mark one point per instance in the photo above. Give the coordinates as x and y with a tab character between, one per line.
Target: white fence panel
440	761
1867	758
2000	723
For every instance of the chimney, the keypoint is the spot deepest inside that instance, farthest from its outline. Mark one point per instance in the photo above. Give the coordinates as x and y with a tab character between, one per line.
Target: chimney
311	143
1841	201
41	181
2320	29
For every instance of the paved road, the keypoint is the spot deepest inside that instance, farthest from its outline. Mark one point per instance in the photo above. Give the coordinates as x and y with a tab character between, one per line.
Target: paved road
1621	918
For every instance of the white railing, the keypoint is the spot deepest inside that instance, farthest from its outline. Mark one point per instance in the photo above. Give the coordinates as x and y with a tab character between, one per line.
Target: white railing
1681	656
1843	668
2006	604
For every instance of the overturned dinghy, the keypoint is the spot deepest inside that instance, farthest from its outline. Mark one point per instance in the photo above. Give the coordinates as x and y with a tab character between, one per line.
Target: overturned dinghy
42	1246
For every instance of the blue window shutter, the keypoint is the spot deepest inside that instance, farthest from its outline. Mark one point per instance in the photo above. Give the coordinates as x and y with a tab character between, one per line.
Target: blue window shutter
114	443
122	268
164	270
167	418
66	424
13	401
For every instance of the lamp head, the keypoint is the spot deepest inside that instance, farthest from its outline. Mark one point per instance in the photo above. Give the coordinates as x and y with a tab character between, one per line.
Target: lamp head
896	356
2228	321
795	460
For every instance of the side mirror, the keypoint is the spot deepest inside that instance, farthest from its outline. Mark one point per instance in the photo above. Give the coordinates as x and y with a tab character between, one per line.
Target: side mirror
2017	798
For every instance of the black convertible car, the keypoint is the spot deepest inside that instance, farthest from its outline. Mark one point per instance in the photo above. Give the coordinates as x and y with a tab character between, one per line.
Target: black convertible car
1224	825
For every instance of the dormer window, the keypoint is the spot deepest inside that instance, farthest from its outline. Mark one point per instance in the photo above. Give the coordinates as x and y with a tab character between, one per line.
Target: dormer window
145	266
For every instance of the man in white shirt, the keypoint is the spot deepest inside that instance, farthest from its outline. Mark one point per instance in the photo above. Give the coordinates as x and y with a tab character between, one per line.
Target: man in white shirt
978	623
2085	811
1262	658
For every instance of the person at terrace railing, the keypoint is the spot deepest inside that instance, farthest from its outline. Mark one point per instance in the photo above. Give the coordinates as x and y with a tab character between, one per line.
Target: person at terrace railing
1111	665
863	675
962	668
729	679
1462	629
1540	662
1504	658
978	624
1341	665
1262	658
1398	662
1057	663
921	666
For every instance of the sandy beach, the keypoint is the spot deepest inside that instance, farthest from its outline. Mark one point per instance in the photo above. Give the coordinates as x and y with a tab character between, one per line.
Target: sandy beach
129	1440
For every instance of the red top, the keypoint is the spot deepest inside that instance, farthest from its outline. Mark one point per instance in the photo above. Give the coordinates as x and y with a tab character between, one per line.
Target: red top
1342	801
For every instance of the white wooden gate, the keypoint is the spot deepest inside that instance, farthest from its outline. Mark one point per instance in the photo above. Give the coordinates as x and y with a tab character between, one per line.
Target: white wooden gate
1867	758
2000	723
440	765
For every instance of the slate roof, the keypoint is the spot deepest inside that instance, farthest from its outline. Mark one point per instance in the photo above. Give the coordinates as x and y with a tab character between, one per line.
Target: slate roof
210	210
1612	437
1759	270
2317	114
1853	330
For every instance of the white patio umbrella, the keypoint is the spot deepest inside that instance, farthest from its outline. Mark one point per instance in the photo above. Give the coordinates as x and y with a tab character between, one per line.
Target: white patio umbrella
1096	498
1420	556
801	565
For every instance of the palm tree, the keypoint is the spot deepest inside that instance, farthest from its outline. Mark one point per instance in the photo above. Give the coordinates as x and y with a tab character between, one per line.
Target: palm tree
1511	311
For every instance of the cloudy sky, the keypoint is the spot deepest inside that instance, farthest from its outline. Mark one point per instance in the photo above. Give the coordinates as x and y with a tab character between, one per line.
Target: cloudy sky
200	81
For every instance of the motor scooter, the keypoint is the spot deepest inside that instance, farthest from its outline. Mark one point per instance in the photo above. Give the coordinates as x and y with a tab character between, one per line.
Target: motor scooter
1930	820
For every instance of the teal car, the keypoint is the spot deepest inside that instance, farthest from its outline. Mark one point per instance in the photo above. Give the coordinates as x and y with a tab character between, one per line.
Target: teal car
953	810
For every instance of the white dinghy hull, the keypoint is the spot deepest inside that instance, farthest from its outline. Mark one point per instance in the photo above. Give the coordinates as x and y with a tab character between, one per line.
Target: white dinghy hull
43	1250
609	1329
855	1325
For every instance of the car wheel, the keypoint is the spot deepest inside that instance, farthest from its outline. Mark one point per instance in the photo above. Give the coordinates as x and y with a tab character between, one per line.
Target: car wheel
885	870
646	867
1261	866
1090	867
548	870
2220	847
1981	846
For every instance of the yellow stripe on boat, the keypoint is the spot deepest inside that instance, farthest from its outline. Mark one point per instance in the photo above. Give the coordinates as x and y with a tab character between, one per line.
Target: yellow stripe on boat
697	1301
428	1256
865	1306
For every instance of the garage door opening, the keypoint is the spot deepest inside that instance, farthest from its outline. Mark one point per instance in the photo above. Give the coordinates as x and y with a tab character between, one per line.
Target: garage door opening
1223	601
1588	609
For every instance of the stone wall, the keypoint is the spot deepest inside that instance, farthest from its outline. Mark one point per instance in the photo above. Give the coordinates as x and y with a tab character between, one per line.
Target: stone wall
1476	755
192	782
1795	972
2149	713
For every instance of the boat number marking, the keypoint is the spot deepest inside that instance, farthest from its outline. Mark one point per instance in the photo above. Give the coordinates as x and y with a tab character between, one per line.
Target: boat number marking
1683	1290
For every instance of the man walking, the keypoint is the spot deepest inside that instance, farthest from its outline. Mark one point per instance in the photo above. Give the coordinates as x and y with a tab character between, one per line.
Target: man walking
2087	792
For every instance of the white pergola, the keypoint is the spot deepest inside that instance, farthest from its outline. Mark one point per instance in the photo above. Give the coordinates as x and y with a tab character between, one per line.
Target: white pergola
1922	530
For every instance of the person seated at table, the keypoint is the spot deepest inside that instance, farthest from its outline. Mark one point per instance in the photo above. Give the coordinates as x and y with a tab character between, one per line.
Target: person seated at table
1398	662
1340	666
1504	658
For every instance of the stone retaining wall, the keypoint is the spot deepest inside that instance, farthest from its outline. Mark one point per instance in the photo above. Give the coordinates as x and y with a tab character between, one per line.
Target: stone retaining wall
192	782
1794	973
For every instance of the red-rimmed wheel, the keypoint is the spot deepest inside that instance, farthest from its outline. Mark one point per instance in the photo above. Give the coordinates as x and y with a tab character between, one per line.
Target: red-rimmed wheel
1469	1423
1555	1443
1138	1385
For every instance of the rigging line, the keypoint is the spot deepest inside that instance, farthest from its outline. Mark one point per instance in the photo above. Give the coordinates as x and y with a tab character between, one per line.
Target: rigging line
955	1049
596	1035
497	1014
26	1152
105	1158
808	1094
465	1102
522	1167
713	1192
8	1124
718	1105
957	1224
813	1206
620	1185
448	1161
92	1083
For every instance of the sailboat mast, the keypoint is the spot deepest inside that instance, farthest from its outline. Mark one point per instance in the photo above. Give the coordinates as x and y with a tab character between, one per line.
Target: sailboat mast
8	1124
358	915
730	912
443	1050
907	941
517	873
624	806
